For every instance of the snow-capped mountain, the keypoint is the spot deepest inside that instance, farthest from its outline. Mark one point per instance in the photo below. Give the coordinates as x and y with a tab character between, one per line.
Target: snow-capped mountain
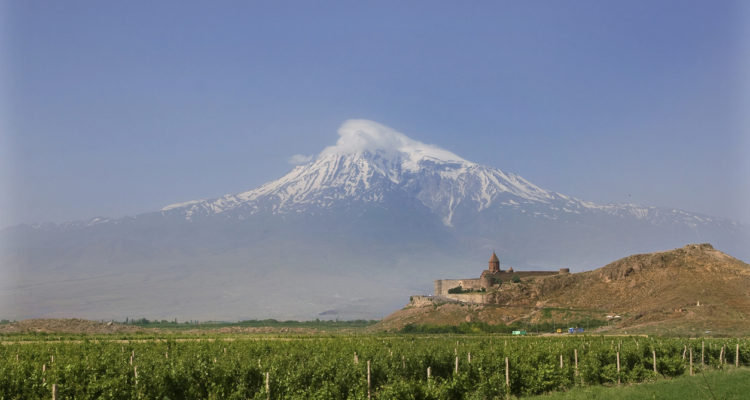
371	161
351	233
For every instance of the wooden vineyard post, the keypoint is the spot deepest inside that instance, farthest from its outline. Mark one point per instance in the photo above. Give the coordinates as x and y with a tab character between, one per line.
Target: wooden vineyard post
618	367
736	356
132	354
368	380
44	369
468	358
54	391
653	352
684	351
268	386
575	355
429	373
455	370
703	347
561	362
691	361
356	358
721	356
507	373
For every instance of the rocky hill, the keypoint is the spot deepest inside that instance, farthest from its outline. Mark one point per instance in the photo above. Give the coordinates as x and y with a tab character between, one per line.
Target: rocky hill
690	290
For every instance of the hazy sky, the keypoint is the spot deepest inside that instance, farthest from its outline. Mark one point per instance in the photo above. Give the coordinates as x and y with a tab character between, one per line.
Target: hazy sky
118	108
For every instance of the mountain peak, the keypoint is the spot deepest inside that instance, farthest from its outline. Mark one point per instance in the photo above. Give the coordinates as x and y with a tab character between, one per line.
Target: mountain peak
360	136
373	163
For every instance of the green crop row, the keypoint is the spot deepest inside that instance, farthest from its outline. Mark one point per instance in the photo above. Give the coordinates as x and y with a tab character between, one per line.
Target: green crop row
337	367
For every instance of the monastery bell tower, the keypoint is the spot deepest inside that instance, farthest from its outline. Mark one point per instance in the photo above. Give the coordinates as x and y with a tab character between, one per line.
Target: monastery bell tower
494	263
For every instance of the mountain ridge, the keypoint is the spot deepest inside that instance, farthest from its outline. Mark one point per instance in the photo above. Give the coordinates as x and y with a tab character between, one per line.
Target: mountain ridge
378	166
354	230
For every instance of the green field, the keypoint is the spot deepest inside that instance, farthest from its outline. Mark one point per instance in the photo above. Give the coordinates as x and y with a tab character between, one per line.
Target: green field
728	384
336	366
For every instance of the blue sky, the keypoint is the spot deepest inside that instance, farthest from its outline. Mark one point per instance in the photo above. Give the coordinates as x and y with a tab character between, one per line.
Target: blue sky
118	108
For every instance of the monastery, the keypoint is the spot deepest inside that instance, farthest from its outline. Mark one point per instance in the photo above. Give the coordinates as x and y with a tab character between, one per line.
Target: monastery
474	290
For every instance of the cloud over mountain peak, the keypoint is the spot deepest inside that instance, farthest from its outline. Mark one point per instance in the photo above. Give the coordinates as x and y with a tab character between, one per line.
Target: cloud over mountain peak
357	136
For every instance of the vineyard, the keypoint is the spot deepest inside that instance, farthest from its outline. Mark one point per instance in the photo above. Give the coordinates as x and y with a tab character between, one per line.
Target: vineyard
347	367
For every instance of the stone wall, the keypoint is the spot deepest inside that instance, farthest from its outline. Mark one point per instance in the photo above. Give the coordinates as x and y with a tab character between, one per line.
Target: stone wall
476	298
442	285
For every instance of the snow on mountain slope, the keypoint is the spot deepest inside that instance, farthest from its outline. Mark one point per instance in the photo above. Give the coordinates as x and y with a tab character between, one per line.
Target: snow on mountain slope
371	160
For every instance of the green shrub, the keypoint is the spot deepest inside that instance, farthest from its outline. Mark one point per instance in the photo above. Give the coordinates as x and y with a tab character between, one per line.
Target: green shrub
456	290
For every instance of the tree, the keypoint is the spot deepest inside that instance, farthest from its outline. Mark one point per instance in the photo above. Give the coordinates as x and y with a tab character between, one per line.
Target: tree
456	290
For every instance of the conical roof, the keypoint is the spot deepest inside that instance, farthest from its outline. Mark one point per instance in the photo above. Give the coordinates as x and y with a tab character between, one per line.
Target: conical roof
494	258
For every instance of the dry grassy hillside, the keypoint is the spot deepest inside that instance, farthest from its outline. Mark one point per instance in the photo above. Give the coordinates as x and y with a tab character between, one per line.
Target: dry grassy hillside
653	293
